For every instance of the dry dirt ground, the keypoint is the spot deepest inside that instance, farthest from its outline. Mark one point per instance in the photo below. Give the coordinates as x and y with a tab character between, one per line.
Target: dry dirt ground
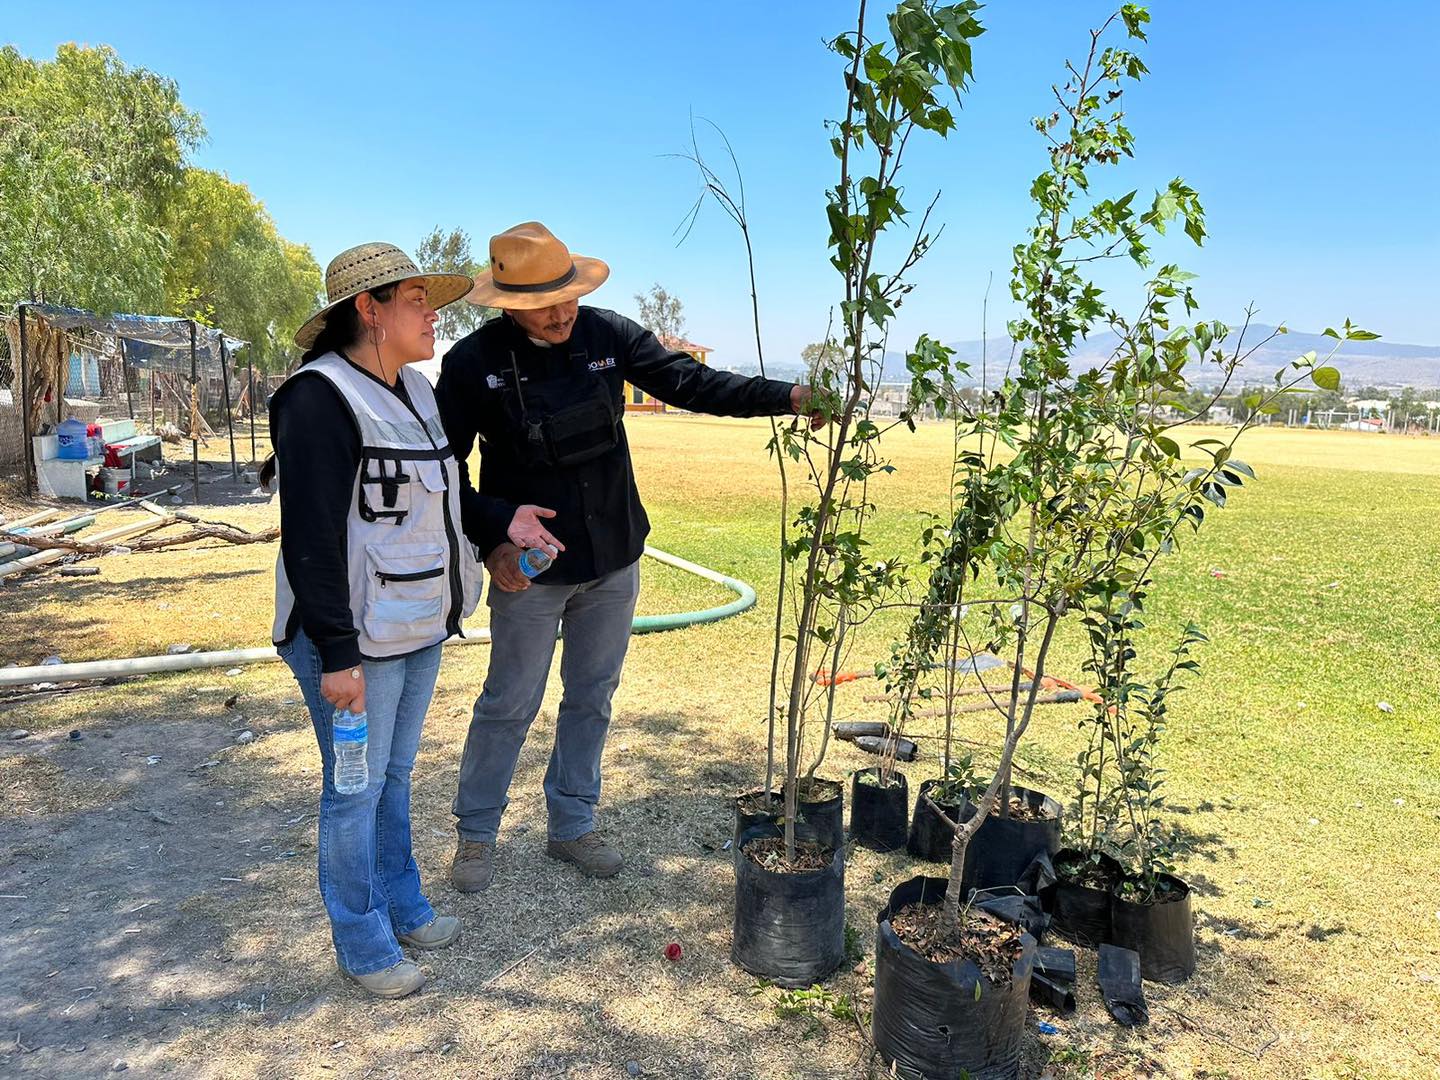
157	882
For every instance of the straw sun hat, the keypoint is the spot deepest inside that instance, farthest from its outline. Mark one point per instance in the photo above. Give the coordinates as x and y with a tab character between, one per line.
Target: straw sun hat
530	268
370	266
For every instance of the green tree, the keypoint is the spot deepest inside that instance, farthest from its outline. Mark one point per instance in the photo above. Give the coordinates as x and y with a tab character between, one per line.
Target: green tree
229	267
661	313
449	253
91	152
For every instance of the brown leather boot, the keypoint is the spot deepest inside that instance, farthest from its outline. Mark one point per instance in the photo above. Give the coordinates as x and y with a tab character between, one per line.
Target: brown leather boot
592	855
473	867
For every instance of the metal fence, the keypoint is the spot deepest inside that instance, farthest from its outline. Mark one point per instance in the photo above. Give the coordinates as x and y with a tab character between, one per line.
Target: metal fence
157	371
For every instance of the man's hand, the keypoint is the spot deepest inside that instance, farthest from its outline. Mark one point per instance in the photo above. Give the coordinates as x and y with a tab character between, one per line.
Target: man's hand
504	566
525	530
800	398
344	689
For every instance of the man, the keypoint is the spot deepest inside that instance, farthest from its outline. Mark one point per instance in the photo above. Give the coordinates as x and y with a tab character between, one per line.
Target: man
542	386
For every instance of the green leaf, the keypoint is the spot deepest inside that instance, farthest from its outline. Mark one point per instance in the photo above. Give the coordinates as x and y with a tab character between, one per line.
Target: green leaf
1168	445
1326	378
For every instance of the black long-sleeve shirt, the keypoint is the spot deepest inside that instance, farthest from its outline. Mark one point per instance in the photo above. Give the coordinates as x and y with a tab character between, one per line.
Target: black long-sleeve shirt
496	379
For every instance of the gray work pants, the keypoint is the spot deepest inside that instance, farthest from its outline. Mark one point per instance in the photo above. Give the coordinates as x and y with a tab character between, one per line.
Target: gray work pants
595	617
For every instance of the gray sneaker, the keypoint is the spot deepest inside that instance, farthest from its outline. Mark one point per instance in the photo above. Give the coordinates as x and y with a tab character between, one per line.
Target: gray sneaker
473	866
436	934
396	981
592	855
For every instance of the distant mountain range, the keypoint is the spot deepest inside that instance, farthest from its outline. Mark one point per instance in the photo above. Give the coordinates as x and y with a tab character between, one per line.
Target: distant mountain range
1362	363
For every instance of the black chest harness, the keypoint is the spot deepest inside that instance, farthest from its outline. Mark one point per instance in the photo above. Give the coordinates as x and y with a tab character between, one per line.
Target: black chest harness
582	428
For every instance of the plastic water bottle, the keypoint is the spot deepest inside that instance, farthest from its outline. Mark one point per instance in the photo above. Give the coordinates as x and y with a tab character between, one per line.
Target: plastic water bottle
535	561
350	739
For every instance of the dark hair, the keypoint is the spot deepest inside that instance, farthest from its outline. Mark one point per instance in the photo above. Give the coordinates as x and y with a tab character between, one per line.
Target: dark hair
341	328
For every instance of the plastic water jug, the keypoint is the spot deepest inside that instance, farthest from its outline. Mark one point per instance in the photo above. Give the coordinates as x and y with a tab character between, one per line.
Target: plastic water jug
73	437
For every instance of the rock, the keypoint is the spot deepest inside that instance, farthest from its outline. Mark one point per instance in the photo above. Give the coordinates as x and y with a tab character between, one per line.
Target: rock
1383	706
246	736
178	650
120	1066
633	1068
79	571
77	735
233	672
19	733
51	661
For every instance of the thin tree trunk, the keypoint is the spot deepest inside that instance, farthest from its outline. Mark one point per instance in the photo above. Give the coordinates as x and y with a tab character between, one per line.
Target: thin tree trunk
965	832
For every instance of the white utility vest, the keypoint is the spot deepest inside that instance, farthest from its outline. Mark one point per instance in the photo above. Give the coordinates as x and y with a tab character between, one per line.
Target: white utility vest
413	574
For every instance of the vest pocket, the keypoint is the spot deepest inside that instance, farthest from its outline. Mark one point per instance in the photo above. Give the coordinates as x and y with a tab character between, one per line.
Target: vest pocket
404	591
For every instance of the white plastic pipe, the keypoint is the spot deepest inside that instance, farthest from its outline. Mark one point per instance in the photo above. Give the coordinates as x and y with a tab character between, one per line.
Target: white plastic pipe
153	665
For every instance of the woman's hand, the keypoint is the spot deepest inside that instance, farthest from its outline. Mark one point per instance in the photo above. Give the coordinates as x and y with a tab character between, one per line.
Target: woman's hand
504	566
344	689
525	530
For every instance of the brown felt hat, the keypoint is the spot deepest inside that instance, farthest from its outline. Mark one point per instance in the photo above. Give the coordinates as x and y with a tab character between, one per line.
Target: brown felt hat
369	266
530	268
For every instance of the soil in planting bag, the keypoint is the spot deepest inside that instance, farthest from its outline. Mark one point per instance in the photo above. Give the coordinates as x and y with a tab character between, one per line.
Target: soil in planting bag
1119	978
927	1020
1079	911
1024	911
750	810
827	815
1053	981
789	927
879	816
1002	848
1162	932
930	838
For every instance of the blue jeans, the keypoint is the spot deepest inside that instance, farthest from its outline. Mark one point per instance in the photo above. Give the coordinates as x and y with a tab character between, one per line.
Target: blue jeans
368	877
596	620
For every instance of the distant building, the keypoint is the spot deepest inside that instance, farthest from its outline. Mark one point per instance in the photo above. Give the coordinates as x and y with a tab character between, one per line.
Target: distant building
636	400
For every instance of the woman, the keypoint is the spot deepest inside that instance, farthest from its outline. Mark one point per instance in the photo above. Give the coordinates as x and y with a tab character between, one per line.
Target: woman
374	574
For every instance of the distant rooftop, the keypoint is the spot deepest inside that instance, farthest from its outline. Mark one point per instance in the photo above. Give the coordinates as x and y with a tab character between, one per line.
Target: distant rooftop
681	344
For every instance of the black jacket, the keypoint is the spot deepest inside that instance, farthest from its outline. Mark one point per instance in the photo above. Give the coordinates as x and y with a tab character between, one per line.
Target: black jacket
500	386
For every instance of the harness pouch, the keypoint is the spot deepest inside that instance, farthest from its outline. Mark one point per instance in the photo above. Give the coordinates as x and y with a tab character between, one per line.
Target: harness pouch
404	590
580	432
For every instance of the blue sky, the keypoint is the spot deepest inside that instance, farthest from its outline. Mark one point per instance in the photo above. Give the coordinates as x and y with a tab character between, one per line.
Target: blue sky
1308	128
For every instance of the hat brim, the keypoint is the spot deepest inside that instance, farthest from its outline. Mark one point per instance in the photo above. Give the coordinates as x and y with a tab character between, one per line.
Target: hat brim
590	274
440	291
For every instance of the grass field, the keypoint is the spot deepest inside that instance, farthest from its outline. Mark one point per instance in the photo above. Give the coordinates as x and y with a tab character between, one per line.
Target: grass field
1313	815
